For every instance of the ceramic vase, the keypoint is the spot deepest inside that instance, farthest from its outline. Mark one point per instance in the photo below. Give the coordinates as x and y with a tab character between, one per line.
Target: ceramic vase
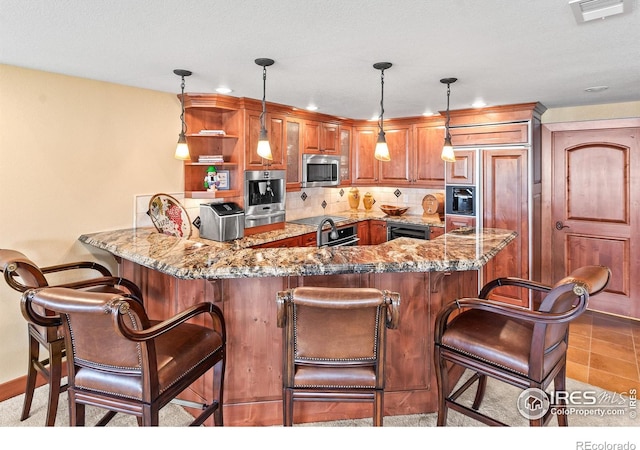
354	198
368	201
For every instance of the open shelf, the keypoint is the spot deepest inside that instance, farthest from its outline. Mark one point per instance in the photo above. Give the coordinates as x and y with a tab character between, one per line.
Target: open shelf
213	194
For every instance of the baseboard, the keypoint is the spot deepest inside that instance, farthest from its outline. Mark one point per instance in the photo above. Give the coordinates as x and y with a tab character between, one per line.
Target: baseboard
17	386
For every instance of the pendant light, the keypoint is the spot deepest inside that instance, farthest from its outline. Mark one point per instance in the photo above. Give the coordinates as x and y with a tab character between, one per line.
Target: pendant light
264	148
447	149
182	150
382	149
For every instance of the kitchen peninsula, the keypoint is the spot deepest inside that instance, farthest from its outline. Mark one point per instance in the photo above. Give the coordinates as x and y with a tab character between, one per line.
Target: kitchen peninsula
176	273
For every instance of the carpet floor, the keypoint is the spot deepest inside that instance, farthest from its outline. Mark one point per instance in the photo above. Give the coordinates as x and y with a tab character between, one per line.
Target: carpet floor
605	409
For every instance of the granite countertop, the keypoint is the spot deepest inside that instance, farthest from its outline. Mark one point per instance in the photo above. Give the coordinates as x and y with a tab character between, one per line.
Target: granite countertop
464	249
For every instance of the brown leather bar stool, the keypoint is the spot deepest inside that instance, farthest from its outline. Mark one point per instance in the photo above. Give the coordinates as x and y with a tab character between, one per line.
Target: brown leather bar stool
22	274
121	361
334	345
521	347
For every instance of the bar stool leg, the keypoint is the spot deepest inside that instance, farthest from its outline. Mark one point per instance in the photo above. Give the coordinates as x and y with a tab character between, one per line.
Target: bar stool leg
32	373
56	350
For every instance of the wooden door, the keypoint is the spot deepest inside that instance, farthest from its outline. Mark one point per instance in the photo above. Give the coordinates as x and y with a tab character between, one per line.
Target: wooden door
595	210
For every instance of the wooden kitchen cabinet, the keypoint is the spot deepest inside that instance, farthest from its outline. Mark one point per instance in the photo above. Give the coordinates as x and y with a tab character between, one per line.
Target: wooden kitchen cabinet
463	170
498	151
276	130
294	241
308	240
294	155
428	166
367	170
504	194
320	137
398	171
363	233
377	232
498	134
345	155
415	155
452	222
363	164
434	232
204	113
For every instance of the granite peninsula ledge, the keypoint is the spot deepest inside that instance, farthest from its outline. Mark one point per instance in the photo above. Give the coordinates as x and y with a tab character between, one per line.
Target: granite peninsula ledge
190	259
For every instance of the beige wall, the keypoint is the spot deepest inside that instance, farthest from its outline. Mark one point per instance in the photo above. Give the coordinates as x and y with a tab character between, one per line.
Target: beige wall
592	112
75	153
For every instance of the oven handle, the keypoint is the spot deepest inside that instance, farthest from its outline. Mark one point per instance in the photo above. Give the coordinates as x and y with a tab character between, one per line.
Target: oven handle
342	244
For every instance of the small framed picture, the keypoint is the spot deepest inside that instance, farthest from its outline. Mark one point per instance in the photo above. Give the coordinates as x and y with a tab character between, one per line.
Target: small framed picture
223	179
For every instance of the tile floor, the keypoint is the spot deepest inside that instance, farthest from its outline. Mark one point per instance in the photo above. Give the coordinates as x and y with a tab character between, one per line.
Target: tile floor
604	351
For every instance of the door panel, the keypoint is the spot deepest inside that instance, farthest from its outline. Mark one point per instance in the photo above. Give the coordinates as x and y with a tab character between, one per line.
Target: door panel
505	184
595	214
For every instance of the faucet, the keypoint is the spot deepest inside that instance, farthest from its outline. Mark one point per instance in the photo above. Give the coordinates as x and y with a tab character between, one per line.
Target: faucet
332	235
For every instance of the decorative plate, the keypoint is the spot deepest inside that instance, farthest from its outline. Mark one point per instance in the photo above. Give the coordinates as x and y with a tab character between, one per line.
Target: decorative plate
168	216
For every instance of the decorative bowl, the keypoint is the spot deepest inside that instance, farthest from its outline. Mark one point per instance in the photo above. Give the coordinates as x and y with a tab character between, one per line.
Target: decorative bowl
391	210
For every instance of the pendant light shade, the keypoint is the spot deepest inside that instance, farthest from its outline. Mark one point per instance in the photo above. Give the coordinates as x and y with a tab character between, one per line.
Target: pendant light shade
447	149
182	149
382	149
264	147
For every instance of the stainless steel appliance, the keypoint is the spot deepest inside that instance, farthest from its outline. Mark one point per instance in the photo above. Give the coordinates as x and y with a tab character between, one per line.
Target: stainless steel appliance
320	170
397	229
343	236
264	197
460	200
221	221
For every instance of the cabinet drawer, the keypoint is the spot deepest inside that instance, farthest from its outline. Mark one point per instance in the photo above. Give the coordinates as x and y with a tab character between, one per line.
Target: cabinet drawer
308	240
453	222
512	133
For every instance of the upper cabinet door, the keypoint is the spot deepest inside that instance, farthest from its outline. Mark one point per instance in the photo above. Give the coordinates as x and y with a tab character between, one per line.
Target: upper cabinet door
428	166
277	134
345	155
398	170
463	170
294	159
320	137
364	169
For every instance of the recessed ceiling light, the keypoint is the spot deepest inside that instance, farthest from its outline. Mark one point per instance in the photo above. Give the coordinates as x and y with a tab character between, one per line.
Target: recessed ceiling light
479	104
596	88
223	90
428	113
312	108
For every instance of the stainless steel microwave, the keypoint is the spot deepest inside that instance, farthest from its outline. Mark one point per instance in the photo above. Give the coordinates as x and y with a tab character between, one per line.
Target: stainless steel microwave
320	170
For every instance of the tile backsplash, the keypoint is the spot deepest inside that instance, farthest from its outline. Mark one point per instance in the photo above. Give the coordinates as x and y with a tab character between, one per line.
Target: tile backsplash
304	203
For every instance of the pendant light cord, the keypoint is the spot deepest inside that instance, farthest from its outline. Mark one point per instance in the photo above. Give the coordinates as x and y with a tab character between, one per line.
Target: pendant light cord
448	115
184	125
264	95
381	121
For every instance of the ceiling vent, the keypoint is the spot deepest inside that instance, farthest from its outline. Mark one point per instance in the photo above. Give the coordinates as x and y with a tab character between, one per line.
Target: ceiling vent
586	10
